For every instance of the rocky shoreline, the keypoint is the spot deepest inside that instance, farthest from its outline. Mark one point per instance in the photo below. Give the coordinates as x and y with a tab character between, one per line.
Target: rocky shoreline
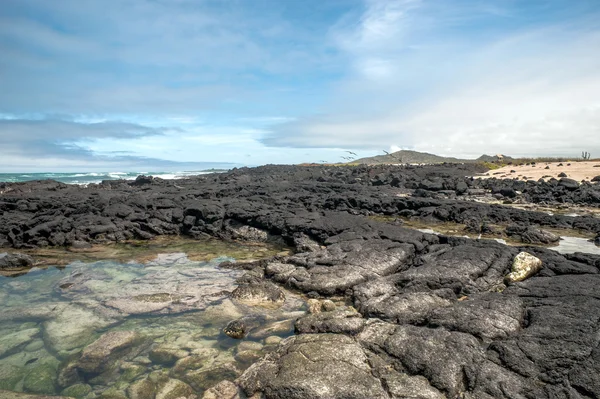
426	316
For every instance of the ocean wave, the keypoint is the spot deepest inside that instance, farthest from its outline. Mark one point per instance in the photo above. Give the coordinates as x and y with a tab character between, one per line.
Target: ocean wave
85	178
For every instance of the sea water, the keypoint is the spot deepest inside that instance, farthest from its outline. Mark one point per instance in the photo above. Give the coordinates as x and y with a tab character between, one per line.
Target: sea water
97	177
175	306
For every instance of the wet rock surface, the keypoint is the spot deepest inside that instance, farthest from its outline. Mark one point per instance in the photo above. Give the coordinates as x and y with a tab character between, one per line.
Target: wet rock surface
425	316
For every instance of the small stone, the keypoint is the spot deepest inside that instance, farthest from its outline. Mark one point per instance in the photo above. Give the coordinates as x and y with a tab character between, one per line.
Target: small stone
524	266
235	329
327	306
314	306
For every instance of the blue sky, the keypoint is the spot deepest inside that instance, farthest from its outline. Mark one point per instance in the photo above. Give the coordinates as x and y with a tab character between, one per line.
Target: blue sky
139	84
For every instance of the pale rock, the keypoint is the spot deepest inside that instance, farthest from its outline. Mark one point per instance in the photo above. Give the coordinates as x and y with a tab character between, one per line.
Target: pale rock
524	266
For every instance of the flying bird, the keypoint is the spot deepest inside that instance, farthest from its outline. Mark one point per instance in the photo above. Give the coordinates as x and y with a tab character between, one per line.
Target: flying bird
350	152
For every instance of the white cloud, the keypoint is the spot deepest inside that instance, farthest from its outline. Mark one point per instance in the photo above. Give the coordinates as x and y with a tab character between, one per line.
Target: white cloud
528	91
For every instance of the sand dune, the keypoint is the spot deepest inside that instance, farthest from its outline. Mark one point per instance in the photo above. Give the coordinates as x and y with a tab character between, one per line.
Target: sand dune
580	171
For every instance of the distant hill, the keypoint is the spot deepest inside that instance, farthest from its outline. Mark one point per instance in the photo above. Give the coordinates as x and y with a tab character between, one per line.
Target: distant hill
407	156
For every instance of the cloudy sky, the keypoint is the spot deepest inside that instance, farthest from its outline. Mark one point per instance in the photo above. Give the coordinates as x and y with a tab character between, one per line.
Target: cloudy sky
169	84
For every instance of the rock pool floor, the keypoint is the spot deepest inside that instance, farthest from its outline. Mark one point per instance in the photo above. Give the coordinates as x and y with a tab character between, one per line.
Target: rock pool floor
176	303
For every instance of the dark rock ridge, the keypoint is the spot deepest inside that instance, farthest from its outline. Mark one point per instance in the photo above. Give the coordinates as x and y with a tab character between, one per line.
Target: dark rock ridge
426	316
260	203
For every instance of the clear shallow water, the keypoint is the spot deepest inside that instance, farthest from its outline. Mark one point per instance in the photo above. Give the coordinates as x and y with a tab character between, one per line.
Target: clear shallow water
175	307
97	177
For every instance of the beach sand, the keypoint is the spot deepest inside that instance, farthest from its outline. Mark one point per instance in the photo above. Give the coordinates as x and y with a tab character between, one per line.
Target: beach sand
580	171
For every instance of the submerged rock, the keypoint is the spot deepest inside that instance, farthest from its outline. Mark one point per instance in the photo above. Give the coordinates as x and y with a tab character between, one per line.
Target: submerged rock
77	391
11	343
142	389
175	389
167	355
236	329
73	327
258	292
10	375
102	354
40	380
207	377
524	266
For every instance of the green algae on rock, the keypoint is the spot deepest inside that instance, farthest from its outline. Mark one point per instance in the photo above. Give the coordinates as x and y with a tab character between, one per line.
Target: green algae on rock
41	380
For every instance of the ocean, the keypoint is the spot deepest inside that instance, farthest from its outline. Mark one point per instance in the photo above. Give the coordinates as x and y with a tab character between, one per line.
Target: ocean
97	177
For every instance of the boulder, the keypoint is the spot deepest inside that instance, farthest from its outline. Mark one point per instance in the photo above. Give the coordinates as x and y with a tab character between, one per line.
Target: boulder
15	261
524	266
569	184
531	234
314	366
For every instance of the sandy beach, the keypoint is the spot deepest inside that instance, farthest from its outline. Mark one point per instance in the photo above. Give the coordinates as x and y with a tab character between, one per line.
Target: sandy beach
580	171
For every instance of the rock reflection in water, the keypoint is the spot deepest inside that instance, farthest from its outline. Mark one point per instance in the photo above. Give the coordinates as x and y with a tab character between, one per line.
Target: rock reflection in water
111	330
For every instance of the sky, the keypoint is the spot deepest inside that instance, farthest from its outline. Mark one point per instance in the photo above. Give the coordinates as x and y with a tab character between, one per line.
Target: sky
90	85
